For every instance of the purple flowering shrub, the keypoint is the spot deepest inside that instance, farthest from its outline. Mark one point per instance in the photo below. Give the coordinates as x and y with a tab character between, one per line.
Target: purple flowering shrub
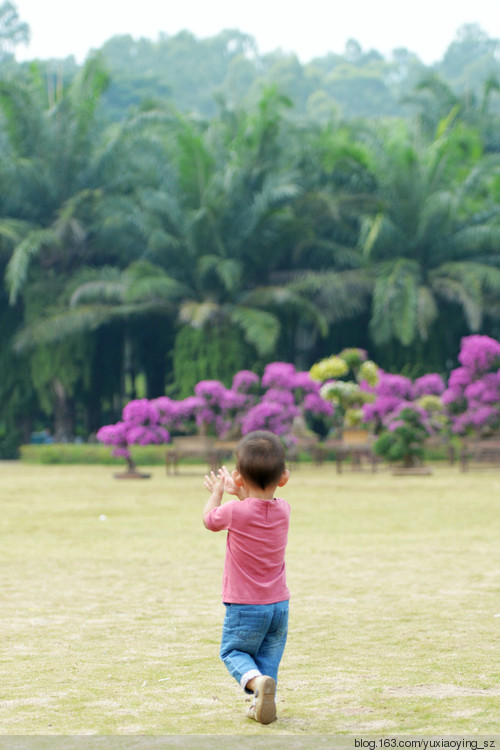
141	425
479	354
246	381
472	398
394	392
209	414
279	375
287	394
115	435
274	416
404	414
220	410
177	415
428	385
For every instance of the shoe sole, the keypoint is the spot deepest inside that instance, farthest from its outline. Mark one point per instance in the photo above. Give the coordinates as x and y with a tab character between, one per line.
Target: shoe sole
265	705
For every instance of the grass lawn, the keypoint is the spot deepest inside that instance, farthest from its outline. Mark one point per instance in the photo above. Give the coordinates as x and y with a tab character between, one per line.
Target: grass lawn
111	614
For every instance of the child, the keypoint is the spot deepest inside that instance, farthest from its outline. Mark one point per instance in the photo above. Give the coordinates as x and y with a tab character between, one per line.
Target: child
254	589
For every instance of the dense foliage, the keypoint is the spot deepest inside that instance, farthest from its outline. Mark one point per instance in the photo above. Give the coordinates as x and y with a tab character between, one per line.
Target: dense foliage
150	242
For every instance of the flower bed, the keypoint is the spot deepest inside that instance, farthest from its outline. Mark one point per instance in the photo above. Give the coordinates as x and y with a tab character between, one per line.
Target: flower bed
341	391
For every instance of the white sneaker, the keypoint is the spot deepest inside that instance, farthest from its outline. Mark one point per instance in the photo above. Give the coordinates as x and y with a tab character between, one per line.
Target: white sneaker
264	706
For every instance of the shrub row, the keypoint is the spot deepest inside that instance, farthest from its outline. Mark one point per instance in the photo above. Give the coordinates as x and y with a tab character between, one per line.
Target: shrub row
89	453
144	455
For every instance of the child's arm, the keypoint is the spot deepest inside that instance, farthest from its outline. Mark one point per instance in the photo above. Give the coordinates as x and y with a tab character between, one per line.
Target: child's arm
215	485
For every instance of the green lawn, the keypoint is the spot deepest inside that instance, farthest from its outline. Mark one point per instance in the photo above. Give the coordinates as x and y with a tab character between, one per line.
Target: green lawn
111	613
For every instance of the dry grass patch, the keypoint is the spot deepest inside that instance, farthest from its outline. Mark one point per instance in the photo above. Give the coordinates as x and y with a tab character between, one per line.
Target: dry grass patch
111	615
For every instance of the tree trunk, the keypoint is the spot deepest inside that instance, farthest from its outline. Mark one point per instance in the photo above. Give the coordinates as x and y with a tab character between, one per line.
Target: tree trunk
64	418
131	467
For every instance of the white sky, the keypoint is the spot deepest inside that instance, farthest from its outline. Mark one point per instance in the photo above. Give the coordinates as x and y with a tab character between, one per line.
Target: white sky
310	28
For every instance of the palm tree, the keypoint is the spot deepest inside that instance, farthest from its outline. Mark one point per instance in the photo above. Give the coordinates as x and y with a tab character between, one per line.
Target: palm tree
438	106
218	218
55	164
432	248
53	171
325	265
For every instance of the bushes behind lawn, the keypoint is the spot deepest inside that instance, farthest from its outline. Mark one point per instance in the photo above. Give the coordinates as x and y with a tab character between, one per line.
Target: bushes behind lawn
143	455
90	453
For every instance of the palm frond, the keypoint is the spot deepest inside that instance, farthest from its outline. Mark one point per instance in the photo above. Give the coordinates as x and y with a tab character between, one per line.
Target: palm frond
427	311
24	123
337	295
379	236
228	270
60	326
24	253
101	291
436	216
461	284
336	254
13	230
472	239
277	192
83	97
165	207
371	229
261	328
395	302
73	204
199	314
290	298
160	289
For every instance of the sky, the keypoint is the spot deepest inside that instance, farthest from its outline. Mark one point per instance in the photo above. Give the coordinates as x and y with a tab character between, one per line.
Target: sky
310	28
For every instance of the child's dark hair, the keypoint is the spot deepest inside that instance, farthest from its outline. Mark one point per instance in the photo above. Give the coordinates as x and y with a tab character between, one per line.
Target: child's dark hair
261	458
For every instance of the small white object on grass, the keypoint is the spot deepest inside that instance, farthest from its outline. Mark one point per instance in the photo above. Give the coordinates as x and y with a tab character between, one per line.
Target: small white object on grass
102	517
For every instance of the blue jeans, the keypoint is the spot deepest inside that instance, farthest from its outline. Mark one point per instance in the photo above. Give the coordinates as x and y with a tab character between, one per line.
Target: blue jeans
253	638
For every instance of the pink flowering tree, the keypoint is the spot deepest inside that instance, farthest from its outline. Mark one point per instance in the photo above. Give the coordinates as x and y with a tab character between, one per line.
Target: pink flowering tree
220	410
178	416
210	415
141	425
472	397
271	414
287	396
404	414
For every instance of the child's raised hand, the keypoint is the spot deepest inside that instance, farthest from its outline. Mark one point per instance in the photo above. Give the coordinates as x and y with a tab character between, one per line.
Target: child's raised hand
213	482
229	483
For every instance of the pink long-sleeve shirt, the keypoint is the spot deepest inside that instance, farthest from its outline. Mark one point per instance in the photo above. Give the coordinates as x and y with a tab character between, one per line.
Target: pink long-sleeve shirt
254	568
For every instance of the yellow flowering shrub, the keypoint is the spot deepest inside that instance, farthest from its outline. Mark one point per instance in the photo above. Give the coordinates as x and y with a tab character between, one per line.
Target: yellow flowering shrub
326	369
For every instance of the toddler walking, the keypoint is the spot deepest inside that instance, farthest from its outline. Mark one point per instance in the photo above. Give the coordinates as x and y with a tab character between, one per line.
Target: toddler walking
254	589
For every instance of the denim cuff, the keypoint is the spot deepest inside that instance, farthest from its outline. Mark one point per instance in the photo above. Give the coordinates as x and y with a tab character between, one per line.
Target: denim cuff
249	676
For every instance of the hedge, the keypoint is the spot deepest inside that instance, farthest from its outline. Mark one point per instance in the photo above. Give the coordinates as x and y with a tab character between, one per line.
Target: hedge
89	453
143	455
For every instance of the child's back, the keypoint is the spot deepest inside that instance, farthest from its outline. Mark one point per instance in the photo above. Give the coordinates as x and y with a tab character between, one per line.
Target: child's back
254	569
